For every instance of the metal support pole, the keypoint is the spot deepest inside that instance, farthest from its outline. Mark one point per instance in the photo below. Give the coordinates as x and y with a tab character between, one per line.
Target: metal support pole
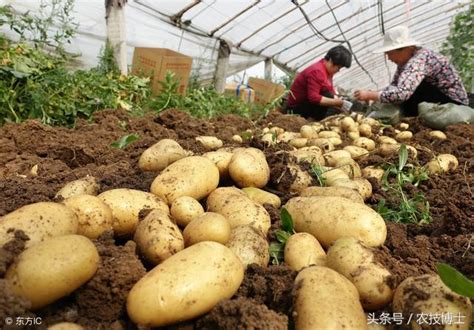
268	68
116	35
222	64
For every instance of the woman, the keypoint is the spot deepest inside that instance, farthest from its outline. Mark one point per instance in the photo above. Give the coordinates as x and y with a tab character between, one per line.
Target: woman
422	76
312	92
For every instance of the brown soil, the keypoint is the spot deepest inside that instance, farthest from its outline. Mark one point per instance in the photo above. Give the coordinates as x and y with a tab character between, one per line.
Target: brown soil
265	298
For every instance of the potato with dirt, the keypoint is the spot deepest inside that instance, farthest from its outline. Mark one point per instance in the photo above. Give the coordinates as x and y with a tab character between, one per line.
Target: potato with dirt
356	262
39	221
209	226
238	208
312	155
301	179
249	168
303	250
249	245
87	185
442	163
221	158
186	285
427	294
158	237
53	269
160	155
262	197
194	176
326	300
329	218
210	142
184	209
333	191
126	205
94	216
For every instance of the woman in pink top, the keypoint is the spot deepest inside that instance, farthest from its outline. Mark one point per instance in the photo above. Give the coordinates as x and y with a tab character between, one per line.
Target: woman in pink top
422	76
312	92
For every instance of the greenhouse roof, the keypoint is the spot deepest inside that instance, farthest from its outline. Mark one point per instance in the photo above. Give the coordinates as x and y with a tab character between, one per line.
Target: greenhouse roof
292	33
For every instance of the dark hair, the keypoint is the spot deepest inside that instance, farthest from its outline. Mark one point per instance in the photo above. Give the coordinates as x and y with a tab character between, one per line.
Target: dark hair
339	55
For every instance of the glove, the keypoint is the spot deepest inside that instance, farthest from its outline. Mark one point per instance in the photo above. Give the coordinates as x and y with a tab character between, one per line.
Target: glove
346	106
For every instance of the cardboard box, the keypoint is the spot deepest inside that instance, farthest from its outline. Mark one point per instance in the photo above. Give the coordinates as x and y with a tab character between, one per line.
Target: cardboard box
265	91
240	91
155	62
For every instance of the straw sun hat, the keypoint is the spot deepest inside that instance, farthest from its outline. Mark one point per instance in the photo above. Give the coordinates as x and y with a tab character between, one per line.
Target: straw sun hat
395	38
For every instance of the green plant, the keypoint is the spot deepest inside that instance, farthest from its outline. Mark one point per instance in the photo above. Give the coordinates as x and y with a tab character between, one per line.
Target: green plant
277	248
455	280
124	141
408	210
459	46
317	171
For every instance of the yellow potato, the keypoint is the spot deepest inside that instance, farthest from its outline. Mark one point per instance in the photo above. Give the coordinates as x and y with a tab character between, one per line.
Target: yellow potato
269	139
323	144
348	124
298	142
365	143
365	130
249	245
65	326
350	167
403	126
311	155
442	163
237	138
184	209
335	141
262	197
286	136
249	168
94	216
427	294
404	136
333	157
301	179
210	142
372	172
303	250
329	218
186	285
194	176
345	183
209	226
364	187
388	149
369	121
158	237
386	140
326	300
356	152
126	205
439	135
160	155
333	191
87	185
356	262
53	269
328	134
308	131
238	209
221	159
354	135
40	221
330	176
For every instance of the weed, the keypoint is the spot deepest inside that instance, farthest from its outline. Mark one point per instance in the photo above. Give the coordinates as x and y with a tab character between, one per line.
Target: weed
124	141
277	248
317	171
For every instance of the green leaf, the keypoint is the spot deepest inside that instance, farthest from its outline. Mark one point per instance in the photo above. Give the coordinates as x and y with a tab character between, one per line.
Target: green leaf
276	253
287	220
125	141
402	157
455	280
282	236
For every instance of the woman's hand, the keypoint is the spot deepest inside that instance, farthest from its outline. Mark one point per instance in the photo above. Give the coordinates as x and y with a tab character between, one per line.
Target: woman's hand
366	95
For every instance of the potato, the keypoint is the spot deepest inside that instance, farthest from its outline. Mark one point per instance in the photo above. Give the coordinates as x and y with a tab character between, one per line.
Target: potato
328	134
65	326
40	221
348	124
333	157
311	155
209	226
87	185
303	250
437	135
317	126
160	155
126	205
249	168
326	300
249	245
356	262
364	187
287	136
302	179
237	138
94	216
210	142
365	130
324	144
350	167
404	136
403	126
427	294
365	143
194	176
335	141
184	209
356	152
373	172
53	269
387	149
186	285
442	163
354	135
308	131
370	121
345	183
262	197
333	191
329	218
221	159
238	209
332	175
336	129
386	140
269	139
298	142
277	130
158	237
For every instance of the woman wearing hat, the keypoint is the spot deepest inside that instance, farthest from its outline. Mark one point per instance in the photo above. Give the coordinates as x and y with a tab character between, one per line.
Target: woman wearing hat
422	76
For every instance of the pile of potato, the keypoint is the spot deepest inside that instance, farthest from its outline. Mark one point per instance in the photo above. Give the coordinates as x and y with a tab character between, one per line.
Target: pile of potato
200	236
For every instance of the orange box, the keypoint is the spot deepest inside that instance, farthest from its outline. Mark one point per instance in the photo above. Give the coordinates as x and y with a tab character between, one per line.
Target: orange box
265	91
155	62
240	91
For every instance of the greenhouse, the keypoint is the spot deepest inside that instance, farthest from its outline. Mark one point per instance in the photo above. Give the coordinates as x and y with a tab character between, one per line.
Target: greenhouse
250	164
